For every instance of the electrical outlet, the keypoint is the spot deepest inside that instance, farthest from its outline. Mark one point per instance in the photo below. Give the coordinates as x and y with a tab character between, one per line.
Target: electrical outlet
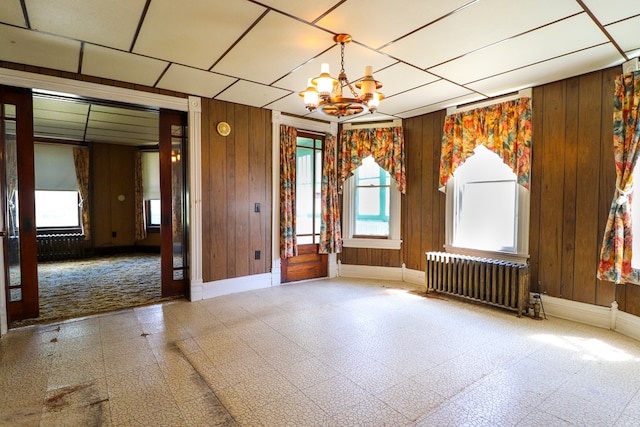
113	234
256	207
256	255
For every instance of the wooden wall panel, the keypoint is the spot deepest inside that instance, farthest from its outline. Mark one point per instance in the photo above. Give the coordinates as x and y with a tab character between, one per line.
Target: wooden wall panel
113	172
236	175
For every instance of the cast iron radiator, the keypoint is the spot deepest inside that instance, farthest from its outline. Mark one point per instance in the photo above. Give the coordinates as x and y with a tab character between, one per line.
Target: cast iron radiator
56	247
499	283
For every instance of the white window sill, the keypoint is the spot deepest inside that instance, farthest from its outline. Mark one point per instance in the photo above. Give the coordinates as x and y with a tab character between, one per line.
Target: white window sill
372	243
502	256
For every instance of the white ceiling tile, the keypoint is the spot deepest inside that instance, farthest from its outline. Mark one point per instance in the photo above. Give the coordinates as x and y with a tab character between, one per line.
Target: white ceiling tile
11	13
626	33
535	46
108	23
356	58
117	65
273	47
401	77
425	95
465	99
193	81
443	41
613	10
307	10
369	117
254	94
377	22
41	50
291	104
596	58
194	33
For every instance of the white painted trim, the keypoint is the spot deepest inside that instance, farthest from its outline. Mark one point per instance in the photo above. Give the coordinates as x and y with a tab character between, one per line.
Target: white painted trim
580	312
370	272
523	93
415	277
235	285
628	324
91	90
195	198
277	119
372	243
375	125
332	265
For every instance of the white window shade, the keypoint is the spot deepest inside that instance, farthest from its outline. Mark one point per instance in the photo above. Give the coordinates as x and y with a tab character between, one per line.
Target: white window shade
151	175
54	168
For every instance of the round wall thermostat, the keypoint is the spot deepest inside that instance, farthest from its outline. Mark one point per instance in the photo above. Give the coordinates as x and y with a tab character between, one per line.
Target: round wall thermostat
224	129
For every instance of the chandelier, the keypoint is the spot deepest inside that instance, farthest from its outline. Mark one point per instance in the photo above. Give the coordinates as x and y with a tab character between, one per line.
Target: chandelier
337	97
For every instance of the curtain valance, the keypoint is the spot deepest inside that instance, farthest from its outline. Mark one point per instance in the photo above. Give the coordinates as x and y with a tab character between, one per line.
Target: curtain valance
504	128
385	145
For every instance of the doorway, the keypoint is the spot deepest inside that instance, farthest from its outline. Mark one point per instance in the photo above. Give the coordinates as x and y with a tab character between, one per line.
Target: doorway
79	240
308	264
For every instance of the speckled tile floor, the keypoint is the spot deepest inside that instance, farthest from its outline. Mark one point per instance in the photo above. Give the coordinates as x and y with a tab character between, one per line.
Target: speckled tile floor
327	353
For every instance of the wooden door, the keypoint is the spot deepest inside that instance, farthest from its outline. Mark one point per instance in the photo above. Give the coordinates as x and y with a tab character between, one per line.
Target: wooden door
17	182
173	204
308	264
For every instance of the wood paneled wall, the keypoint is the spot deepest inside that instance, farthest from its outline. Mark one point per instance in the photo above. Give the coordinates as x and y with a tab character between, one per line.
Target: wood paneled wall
112	174
572	184
236	174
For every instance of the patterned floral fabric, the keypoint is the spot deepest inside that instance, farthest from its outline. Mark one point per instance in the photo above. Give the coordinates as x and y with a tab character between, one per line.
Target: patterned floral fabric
81	162
330	231
504	128
386	145
288	242
138	193
615	255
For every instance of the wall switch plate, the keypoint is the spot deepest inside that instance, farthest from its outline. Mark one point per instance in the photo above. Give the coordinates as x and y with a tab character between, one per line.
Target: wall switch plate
256	207
256	255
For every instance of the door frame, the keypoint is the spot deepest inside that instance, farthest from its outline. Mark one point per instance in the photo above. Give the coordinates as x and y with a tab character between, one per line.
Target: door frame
191	105
303	124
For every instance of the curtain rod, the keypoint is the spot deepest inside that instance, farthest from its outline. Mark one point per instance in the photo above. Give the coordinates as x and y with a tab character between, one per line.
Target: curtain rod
524	93
373	125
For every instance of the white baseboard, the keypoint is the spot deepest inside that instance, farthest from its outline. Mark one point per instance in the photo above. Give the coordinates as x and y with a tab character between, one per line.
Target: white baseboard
415	277
628	324
196	290
580	312
369	272
235	285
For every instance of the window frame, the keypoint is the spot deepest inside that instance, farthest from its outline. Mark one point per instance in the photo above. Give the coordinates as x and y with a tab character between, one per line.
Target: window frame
71	229
350	239
151	228
520	252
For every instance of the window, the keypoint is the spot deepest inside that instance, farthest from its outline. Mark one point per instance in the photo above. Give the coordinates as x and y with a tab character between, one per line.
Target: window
151	189
152	212
308	187
57	209
371	208
56	187
487	211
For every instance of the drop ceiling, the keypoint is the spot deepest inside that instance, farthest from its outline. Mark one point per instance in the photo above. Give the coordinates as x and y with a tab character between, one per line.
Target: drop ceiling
428	54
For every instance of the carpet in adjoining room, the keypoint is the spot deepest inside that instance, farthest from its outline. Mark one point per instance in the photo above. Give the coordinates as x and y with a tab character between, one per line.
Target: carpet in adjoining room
77	288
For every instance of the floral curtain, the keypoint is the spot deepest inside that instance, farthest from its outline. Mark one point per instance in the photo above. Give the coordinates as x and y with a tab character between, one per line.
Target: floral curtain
504	128
615	255
139	219
288	243
81	162
386	145
330	232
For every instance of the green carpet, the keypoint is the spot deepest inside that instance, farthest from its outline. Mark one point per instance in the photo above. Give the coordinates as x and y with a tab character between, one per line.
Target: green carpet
77	288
